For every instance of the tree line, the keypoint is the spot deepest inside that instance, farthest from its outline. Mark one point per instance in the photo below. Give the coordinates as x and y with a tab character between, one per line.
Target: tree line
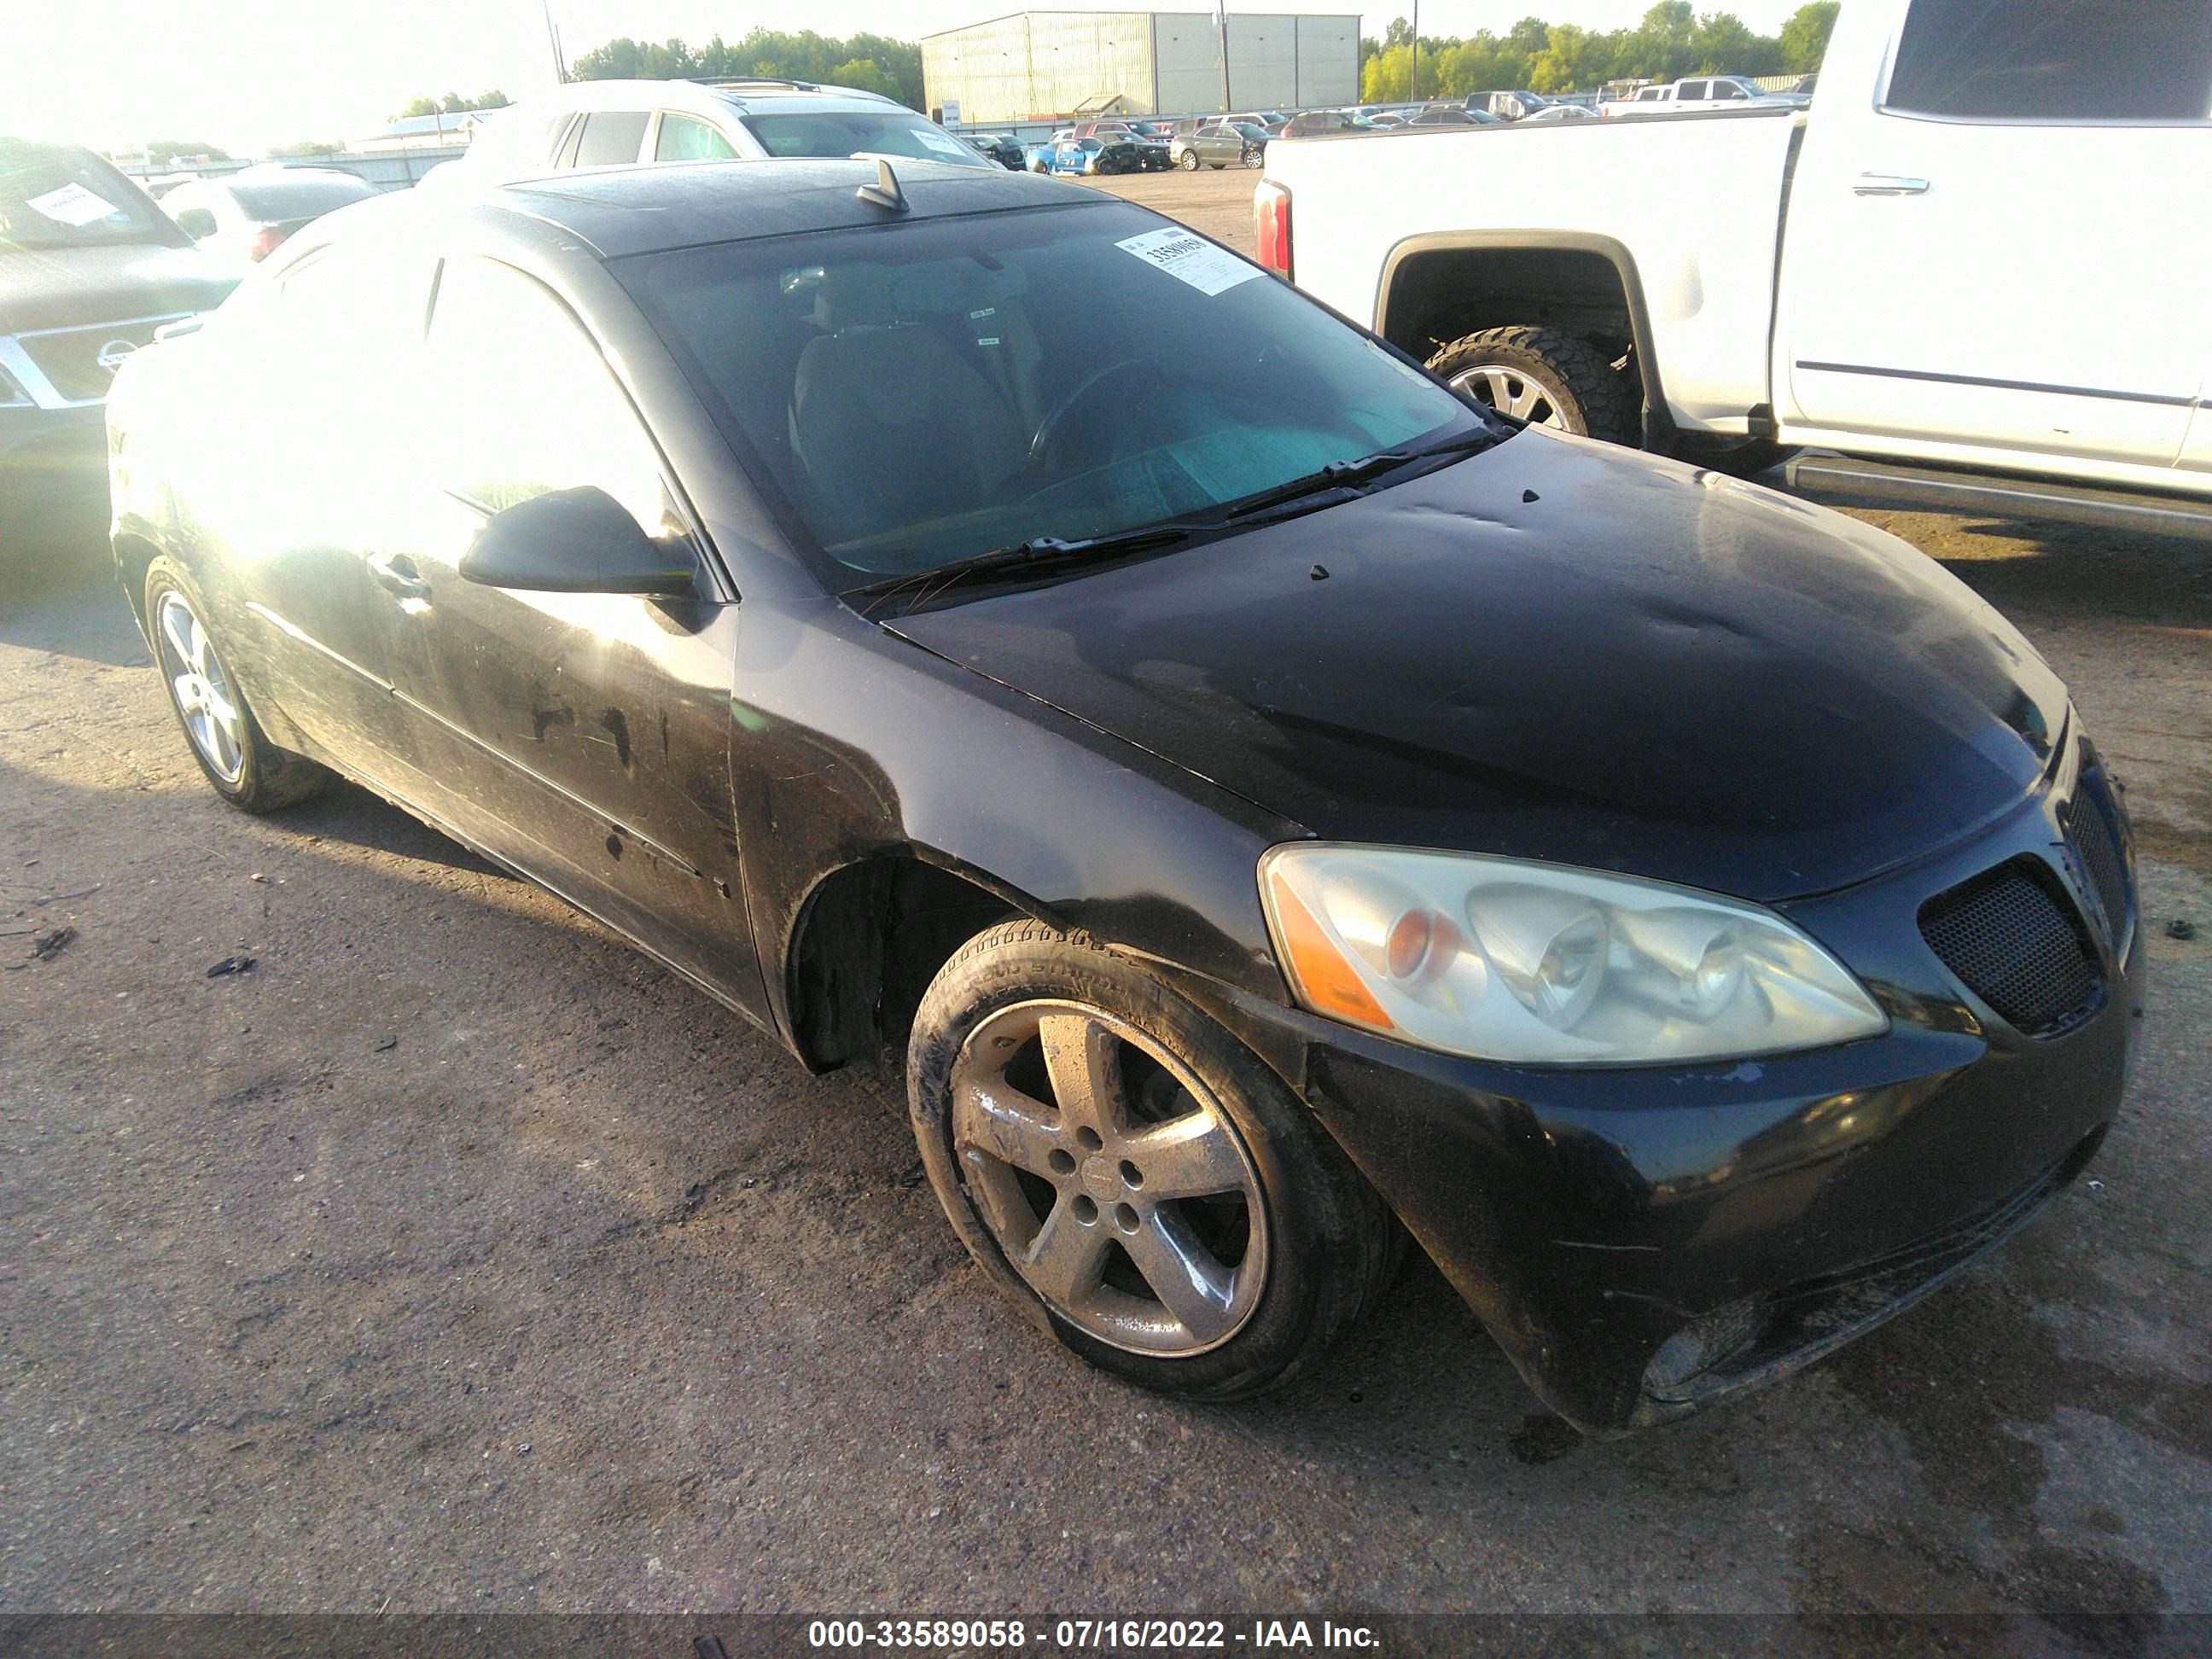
870	63
452	104
1671	42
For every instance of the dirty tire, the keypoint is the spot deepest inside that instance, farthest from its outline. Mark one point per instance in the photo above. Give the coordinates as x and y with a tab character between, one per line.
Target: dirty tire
1578	379
1330	1246
268	777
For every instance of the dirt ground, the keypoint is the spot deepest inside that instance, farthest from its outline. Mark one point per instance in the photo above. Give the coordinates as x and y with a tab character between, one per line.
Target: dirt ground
455	1258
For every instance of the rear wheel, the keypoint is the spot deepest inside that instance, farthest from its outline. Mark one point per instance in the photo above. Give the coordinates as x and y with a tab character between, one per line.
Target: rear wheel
247	769
1131	1175
1253	158
1545	378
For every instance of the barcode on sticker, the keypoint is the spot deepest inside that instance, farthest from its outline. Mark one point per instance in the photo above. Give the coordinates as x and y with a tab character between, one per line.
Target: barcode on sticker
1189	258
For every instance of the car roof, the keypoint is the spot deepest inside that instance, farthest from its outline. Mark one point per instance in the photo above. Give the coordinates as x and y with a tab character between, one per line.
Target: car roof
707	98
619	211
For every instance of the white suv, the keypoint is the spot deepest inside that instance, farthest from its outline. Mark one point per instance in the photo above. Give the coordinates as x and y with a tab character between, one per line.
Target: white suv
597	124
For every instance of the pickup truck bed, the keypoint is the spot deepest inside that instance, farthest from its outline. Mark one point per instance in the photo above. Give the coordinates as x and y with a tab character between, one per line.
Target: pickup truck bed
1702	262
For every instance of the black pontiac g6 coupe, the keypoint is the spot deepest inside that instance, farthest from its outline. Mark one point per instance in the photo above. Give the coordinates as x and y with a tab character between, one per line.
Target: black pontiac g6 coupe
1280	808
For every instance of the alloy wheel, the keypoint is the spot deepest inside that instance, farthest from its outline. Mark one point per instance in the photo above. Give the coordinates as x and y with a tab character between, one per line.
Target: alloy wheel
1512	391
200	687
1113	1180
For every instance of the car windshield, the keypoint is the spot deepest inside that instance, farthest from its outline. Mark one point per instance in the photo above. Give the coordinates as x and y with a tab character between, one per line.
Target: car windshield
921	394
848	132
51	197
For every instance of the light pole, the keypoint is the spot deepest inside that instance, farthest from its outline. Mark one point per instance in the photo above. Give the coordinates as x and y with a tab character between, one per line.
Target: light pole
1221	15
553	36
1413	69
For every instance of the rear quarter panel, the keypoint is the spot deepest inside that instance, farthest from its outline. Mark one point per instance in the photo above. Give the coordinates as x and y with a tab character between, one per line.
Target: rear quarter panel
1695	200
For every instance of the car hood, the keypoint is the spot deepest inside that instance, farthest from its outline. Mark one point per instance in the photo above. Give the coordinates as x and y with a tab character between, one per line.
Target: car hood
1563	651
74	287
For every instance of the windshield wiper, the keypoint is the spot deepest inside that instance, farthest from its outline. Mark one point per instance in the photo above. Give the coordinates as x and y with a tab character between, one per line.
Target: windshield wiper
1038	555
1344	475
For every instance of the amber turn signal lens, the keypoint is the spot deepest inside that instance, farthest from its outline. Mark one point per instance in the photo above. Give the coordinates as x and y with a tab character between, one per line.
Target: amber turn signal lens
1324	979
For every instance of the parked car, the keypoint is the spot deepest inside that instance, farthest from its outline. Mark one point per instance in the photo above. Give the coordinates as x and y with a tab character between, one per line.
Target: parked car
1000	147
1748	947
1136	131
1700	93
1553	114
245	216
1451	115
1268	120
1099	155
1221	144
89	269
1390	118
1949	142
1508	105
1316	121
597	124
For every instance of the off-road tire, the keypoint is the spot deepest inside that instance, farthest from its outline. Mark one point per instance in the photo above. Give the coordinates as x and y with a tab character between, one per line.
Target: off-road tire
269	778
1593	399
1333	1246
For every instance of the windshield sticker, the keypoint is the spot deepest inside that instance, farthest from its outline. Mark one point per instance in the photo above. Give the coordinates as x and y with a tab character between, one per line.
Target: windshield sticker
72	204
1189	258
938	140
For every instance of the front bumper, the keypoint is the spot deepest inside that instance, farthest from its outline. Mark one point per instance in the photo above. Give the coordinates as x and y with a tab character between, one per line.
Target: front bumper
1644	1242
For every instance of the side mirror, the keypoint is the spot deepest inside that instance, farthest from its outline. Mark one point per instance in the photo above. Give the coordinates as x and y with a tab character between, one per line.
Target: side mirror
574	541
198	223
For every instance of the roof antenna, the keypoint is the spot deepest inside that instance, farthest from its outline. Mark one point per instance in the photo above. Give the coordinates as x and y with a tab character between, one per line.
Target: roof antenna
885	191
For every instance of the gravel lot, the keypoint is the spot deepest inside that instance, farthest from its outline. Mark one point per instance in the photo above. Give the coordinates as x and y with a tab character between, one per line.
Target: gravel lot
456	1258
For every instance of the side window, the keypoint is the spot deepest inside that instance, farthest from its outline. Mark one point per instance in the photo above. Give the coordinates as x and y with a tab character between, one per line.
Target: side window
543	410
2028	60
612	138
349	315
685	138
1724	89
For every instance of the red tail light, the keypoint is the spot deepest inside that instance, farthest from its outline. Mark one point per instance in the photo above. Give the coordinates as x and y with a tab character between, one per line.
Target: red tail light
1271	215
265	242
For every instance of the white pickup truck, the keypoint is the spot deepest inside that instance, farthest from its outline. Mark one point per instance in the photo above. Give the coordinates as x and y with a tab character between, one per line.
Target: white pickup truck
1977	265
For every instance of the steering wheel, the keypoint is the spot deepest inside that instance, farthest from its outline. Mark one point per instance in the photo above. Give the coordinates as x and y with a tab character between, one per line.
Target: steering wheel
1048	430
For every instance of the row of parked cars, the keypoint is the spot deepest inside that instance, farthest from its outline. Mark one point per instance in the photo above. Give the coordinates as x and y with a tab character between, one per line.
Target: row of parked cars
1135	145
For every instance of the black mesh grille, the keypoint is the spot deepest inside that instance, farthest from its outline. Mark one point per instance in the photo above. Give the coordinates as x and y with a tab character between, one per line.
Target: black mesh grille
2009	936
2089	827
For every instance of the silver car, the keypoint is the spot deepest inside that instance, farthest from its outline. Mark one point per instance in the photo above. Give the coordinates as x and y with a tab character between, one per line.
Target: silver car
595	123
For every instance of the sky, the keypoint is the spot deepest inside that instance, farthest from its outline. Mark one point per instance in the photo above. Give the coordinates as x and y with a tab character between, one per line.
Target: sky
246	74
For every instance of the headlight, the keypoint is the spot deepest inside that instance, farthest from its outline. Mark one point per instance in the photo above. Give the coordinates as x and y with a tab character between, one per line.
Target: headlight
1539	964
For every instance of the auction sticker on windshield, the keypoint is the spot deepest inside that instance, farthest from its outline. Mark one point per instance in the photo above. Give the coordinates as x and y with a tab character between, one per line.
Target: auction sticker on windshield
1189	258
938	140
72	204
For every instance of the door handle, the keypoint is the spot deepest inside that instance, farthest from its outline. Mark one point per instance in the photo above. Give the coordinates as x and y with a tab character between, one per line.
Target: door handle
1888	183
395	573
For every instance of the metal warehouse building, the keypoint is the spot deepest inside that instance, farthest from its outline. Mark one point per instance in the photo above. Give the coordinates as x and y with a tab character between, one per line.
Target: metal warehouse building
1038	64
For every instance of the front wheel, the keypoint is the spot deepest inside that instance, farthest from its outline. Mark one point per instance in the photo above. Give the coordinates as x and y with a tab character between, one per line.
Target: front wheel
1190	160
247	769
1132	1176
1545	378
